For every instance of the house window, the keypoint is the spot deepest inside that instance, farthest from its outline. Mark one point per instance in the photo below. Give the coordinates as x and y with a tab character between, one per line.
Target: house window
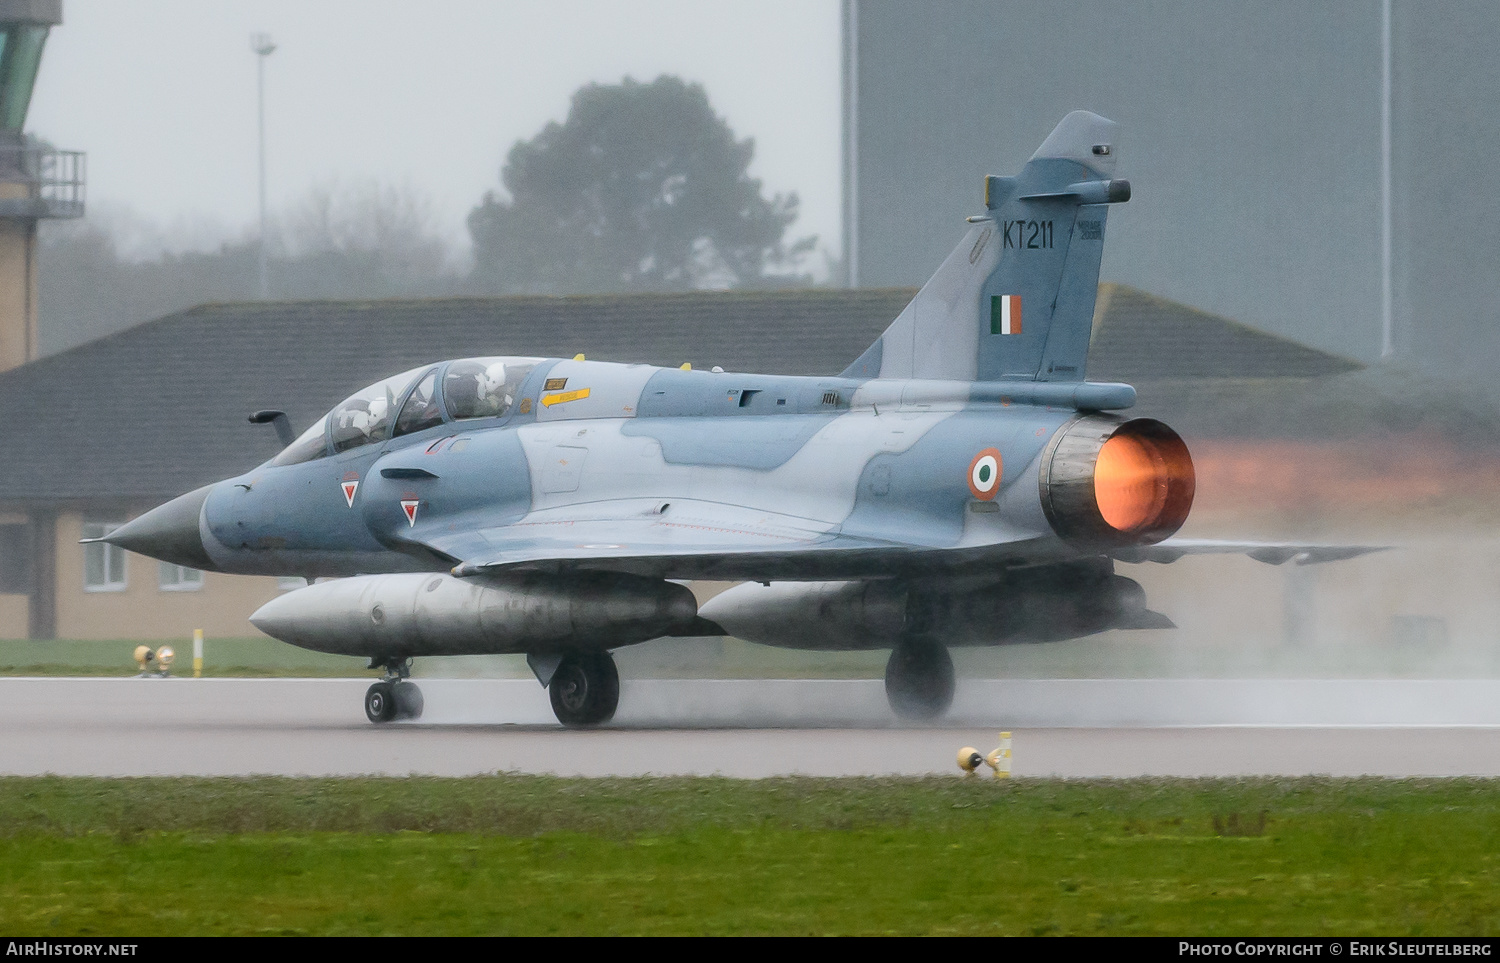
178	578
15	560
103	565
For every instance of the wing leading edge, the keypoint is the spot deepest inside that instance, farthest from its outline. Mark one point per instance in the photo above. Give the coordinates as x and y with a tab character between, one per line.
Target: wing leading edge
698	540
702	540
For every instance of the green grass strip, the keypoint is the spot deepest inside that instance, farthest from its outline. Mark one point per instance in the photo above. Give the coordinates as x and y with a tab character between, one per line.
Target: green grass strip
534	855
224	658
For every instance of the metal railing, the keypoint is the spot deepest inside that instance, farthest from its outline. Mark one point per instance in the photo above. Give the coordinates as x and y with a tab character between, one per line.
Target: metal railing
40	182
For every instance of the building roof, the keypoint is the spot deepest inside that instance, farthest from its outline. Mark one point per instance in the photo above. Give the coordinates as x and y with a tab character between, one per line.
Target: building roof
1139	337
161	408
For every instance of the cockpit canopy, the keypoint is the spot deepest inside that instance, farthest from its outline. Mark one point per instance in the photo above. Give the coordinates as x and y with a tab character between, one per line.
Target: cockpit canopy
483	387
365	416
413	401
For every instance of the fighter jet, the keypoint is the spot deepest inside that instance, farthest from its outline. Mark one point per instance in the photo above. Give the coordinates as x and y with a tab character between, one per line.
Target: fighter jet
960	484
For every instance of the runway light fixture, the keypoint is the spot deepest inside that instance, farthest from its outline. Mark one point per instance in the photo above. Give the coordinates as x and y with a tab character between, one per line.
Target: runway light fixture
998	759
162	657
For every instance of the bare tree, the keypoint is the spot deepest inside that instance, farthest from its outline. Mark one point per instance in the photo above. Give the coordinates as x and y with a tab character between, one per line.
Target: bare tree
115	268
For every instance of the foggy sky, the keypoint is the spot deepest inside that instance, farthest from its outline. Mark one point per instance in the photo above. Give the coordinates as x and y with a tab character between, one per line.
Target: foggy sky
161	94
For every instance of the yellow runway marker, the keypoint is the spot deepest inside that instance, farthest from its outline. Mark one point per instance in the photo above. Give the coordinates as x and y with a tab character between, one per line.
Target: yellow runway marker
999	759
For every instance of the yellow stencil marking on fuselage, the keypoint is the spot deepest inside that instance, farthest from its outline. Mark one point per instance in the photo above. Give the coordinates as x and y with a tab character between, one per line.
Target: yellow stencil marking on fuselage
550	400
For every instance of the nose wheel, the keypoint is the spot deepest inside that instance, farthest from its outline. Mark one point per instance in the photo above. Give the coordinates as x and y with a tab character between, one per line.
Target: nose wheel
919	680
393	697
585	689
389	701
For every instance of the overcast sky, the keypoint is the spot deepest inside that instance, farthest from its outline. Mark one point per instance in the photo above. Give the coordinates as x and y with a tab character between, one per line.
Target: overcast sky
161	94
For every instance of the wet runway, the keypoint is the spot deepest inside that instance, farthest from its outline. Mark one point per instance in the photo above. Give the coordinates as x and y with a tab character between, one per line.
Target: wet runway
741	728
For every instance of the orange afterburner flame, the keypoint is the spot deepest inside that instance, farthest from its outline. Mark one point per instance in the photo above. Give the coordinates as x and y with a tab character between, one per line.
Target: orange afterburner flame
1106	483
1129	483
1140	481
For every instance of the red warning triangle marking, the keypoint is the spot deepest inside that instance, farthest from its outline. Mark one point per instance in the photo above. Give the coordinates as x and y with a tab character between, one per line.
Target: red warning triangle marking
350	487
409	506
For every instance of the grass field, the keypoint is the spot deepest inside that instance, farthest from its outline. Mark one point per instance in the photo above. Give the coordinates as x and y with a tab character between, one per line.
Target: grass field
1114	655
528	854
224	657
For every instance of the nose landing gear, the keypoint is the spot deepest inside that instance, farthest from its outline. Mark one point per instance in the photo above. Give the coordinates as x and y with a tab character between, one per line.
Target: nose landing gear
393	697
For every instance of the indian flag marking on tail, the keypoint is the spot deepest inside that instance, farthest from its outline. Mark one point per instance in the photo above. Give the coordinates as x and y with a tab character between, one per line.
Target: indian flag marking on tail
1005	314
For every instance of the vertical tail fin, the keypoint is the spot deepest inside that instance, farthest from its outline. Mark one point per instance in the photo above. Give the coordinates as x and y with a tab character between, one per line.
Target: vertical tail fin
1015	299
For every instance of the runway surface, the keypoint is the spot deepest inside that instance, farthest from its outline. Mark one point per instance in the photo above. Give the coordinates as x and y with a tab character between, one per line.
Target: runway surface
751	729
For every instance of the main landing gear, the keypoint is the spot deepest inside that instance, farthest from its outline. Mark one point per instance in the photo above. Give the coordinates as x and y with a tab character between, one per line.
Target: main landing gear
919	679
585	689
393	697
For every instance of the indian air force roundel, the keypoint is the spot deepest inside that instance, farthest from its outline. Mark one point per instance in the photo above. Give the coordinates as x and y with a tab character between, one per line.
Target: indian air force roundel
984	474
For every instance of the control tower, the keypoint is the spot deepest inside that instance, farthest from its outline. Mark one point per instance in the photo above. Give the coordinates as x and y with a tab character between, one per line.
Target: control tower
36	181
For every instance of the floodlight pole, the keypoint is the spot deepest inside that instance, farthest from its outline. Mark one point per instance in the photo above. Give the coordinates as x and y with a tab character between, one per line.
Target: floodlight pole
261	46
1387	261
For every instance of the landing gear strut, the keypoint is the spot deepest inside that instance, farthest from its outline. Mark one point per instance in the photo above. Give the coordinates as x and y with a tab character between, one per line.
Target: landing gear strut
393	697
585	689
919	680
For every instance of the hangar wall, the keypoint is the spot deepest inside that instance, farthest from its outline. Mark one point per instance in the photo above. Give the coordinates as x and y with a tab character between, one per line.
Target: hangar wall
1252	136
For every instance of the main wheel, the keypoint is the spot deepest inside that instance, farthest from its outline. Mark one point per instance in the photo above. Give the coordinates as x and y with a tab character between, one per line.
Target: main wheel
919	680
380	702
585	689
408	699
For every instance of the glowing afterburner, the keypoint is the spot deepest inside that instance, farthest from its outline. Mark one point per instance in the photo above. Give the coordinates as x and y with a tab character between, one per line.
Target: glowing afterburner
1111	483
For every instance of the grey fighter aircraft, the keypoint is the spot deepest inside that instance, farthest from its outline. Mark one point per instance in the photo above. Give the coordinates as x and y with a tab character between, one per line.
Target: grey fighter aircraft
961	483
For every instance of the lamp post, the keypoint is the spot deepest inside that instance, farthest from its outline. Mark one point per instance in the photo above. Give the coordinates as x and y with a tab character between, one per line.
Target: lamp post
1387	260
261	46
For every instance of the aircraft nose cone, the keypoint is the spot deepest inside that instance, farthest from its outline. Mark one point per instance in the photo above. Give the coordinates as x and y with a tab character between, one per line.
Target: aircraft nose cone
168	532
